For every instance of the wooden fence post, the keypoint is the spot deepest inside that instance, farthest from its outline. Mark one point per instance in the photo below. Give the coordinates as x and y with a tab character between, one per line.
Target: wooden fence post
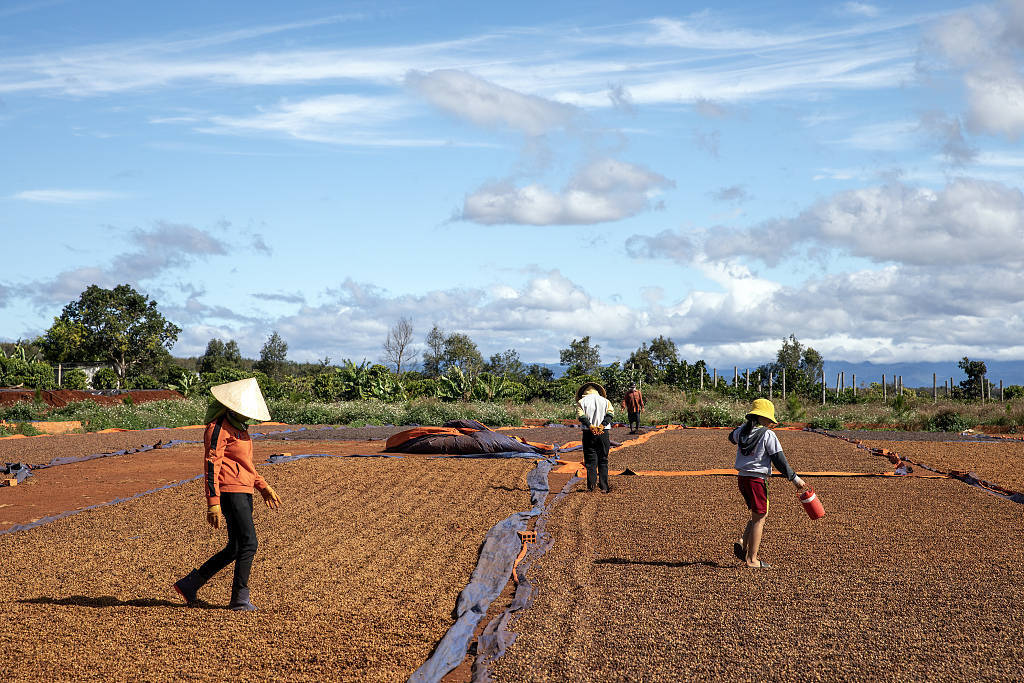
884	397
748	379
1001	399
822	385
935	388
854	385
735	375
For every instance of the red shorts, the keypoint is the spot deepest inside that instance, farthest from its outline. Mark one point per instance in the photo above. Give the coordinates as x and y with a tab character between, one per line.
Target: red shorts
755	493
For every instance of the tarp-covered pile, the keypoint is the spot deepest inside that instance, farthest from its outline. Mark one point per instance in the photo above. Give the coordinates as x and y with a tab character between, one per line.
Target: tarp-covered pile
462	437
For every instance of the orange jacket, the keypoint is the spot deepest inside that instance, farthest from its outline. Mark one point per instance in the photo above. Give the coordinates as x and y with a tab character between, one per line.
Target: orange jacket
228	461
634	401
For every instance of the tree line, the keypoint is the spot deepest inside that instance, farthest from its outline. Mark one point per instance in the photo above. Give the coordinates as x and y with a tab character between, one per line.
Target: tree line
123	328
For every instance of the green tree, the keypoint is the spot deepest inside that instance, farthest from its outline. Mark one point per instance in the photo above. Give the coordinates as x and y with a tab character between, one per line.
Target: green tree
433	355
803	365
640	364
273	356
975	371
507	364
663	353
219	355
581	357
118	325
539	372
460	351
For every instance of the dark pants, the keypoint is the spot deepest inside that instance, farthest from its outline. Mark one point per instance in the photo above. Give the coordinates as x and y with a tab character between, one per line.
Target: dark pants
595	458
242	543
634	421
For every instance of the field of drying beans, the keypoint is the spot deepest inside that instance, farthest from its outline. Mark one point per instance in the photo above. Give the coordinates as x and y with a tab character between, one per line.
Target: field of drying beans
357	575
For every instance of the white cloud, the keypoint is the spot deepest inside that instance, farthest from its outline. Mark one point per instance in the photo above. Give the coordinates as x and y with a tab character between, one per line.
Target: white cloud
486	104
605	190
969	221
148	255
337	119
985	44
859	9
887	136
66	196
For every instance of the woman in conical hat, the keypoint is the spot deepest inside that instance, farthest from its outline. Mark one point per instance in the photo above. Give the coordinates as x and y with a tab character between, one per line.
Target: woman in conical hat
231	478
594	411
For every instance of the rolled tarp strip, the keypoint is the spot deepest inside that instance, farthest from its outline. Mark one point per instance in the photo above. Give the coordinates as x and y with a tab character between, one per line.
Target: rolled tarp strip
70	459
290	457
17	471
62	515
489	578
960	475
496	637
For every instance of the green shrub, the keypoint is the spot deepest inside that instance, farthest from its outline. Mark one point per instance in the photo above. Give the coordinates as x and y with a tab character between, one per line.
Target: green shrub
948	421
715	415
825	422
30	374
105	378
76	380
22	411
145	382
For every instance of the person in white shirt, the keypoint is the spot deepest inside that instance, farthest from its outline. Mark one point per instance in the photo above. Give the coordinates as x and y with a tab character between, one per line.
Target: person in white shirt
594	411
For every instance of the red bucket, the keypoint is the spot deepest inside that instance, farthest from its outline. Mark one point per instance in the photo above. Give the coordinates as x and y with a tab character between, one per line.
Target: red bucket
812	504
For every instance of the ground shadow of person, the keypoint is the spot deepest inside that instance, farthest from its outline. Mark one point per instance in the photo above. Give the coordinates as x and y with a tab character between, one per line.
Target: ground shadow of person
106	601
661	563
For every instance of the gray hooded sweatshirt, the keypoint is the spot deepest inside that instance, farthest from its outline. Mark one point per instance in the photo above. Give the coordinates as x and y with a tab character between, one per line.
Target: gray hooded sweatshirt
757	449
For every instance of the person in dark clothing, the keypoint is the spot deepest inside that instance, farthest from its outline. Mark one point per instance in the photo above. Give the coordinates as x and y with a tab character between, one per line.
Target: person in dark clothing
594	411
633	402
231	478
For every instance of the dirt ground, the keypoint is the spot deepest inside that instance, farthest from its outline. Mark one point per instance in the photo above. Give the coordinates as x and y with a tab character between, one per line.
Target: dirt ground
996	462
904	579
355	578
357	575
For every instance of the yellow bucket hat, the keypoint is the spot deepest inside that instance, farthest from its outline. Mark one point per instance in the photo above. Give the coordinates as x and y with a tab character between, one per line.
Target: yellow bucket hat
764	408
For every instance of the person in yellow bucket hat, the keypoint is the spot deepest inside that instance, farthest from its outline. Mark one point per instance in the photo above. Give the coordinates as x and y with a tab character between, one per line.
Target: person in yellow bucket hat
757	449
229	482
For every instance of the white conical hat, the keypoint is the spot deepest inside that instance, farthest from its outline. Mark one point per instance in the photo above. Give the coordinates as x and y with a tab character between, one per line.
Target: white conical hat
244	397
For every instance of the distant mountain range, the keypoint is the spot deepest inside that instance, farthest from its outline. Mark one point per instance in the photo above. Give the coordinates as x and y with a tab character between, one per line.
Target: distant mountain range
914	374
920	374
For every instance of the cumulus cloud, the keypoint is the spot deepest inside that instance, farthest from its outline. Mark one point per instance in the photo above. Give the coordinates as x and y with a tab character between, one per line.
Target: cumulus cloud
969	221
621	99
985	45
487	104
605	190
950	137
156	251
296	298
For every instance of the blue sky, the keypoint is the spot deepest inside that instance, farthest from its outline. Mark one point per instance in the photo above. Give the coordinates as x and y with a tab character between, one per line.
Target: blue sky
526	174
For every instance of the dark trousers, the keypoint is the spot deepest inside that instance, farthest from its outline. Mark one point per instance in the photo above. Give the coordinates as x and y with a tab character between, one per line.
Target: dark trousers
242	543
634	421
595	458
